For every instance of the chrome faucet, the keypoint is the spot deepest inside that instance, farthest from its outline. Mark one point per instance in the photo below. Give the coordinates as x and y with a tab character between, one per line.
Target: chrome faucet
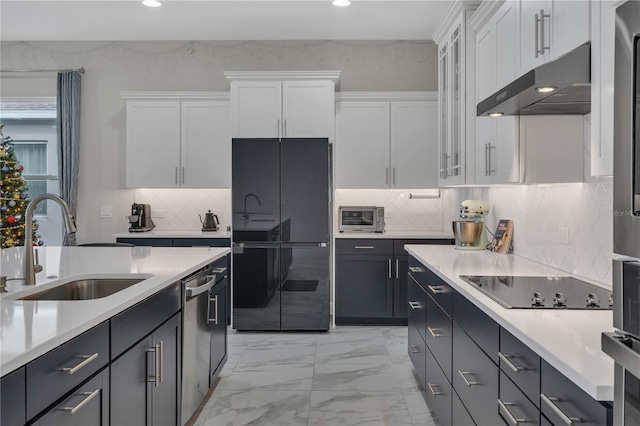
69	223
245	215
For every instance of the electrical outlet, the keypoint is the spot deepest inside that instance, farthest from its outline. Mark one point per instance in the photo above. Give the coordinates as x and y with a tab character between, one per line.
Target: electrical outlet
158	213
563	235
106	212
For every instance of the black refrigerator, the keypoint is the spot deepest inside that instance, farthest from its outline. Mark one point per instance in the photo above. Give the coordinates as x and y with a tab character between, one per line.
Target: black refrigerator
281	232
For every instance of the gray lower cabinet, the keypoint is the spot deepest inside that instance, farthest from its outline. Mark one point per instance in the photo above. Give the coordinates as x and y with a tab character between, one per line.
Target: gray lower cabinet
438	335
459	416
218	315
417	353
12	398
437	391
86	405
513	406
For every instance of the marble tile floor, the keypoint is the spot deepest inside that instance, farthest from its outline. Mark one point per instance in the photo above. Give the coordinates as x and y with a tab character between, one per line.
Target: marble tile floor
357	375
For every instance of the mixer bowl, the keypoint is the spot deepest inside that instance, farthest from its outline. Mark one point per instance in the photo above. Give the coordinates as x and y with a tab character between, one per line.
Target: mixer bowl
467	232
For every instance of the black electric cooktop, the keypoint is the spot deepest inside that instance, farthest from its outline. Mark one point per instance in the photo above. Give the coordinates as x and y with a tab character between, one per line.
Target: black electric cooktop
537	292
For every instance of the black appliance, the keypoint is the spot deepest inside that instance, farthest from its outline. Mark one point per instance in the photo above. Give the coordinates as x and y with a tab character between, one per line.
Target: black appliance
140	219
623	345
539	292
281	222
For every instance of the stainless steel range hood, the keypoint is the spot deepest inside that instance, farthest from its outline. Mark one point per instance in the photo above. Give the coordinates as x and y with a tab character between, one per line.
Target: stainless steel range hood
570	78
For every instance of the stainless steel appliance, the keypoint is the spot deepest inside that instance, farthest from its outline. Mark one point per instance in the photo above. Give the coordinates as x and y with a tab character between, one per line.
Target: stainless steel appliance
469	230
210	222
200	311
281	206
361	219
624	345
140	219
536	292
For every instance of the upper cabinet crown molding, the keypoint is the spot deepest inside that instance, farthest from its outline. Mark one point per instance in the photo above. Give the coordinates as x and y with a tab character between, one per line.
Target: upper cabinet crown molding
176	96
453	13
484	13
386	96
282	75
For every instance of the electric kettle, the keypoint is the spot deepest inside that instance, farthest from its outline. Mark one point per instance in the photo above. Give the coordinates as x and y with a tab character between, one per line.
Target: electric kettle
210	222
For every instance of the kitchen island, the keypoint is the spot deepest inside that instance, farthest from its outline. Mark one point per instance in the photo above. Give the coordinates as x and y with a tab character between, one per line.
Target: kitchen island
485	338
35	334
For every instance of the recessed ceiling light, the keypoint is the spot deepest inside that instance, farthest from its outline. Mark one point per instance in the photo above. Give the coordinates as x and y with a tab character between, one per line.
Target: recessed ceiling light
496	114
152	3
545	89
341	3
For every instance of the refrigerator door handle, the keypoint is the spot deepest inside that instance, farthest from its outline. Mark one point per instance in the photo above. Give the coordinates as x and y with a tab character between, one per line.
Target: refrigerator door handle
302	245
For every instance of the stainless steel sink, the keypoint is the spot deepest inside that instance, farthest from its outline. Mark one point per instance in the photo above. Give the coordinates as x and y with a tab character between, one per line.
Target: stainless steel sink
84	289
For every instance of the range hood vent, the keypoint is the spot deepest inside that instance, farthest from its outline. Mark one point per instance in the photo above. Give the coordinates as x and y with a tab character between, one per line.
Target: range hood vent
569	76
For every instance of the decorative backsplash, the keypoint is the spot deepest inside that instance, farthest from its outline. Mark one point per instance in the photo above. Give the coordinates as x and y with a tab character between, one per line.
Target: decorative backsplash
181	207
400	212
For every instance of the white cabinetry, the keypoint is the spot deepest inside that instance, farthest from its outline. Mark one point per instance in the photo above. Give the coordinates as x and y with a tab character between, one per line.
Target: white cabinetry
456	121
549	29
278	104
178	140
386	140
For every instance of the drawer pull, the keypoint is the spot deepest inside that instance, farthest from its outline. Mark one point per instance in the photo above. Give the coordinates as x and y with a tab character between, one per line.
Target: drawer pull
467	382
73	410
209	319
414	305
413	349
506	414
505	359
434	392
549	401
87	360
435	289
414	269
155	377
435	334
364	247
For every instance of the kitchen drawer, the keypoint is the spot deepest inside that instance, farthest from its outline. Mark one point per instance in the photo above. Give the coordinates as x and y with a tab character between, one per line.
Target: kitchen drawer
364	246
418	272
398	245
141	319
459	415
202	242
478	325
521	365
58	371
438	335
86	406
417	350
440	291
561	400
417	304
514	405
149	242
12	398
438	391
475	379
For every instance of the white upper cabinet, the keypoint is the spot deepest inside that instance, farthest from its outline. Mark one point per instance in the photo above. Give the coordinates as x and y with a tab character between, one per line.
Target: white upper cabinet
175	142
549	29
386	140
279	104
456	103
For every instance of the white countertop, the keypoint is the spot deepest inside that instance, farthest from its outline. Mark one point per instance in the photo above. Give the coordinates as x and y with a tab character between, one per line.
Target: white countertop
396	235
29	329
569	340
174	234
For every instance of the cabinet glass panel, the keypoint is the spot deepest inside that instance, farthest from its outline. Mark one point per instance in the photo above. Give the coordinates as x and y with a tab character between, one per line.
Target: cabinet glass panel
456	116
444	110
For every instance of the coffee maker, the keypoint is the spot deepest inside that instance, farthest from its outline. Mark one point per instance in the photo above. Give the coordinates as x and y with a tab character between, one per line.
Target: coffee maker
469	231
140	219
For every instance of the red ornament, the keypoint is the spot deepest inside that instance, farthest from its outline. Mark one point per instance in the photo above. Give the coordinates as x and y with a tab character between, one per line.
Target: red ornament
11	220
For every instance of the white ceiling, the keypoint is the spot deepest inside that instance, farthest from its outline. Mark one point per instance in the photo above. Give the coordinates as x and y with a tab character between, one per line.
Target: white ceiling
219	20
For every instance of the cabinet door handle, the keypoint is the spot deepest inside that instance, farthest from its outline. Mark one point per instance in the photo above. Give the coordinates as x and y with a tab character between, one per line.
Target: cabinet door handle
543	16
434	289
464	377
414	305
394	176
486	159
278	128
364	247
284	132
215	301
390	273
536	25
512	366
413	349
176	175
73	410
87	360
161	361
550	402
155	377
431	331
434	392
386	180
507	415
397	267
183	175
490	162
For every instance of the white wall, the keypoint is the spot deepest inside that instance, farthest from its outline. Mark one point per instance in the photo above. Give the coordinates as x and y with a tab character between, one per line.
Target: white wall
112	67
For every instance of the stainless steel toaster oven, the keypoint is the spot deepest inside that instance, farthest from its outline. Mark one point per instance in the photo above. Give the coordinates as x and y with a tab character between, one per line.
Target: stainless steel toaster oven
361	219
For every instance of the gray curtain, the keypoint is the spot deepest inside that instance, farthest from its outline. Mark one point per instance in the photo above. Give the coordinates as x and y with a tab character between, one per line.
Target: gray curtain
68	103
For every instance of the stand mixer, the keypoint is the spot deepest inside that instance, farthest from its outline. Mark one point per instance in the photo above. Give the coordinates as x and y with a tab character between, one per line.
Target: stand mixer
470	229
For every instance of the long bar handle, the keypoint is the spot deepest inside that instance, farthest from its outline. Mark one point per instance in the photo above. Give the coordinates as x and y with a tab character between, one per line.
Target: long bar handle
512	366
387	178
390	273
154	377
413	349
435	393
549	401
397	267
73	410
415	269
364	247
431	331
161	361
209	319
176	175
507	415
464	377
536	25
183	175
414	305
278	128
542	18
394	176
490	162
434	289
284	132
87	360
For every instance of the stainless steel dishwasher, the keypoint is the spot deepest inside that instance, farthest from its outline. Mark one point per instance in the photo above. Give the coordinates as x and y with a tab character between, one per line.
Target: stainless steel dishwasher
196	336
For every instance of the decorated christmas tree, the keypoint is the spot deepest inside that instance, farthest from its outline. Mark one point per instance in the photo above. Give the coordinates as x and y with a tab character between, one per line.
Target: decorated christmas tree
13	196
